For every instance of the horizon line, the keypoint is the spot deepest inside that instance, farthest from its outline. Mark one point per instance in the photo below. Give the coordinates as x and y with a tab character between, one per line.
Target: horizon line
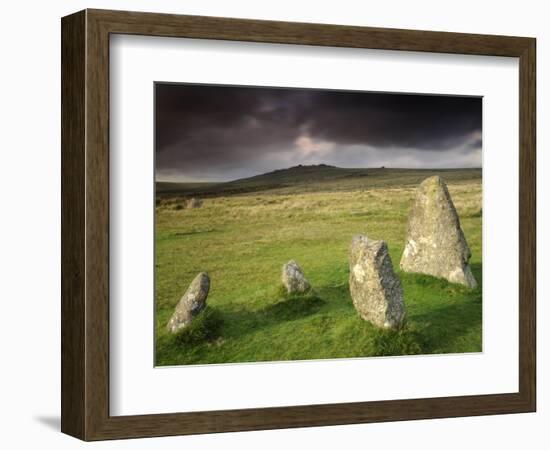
318	165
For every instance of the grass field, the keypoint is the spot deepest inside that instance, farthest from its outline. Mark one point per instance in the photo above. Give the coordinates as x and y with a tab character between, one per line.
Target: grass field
245	231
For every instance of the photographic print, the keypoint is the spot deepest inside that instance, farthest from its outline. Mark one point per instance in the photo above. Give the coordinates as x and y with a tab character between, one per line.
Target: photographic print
307	224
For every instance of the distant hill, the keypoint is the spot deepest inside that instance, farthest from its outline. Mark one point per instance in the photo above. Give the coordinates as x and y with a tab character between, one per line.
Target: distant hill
168	186
319	177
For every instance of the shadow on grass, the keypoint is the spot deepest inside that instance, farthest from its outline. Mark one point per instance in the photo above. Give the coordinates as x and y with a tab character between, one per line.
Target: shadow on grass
454	315
293	307
477	270
205	327
430	286
287	308
445	326
339	296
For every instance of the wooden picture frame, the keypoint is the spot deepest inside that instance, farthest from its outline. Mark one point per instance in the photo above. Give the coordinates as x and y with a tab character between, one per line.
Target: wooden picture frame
85	224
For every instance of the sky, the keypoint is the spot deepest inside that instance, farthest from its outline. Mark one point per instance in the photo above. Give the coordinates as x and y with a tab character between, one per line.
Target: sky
222	133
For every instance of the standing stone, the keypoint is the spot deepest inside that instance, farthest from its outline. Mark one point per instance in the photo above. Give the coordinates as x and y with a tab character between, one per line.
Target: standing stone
191	304
375	288
293	278
435	242
194	203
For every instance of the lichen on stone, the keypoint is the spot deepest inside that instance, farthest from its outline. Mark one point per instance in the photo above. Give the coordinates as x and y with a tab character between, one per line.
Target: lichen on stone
375	289
191	304
435	242
293	278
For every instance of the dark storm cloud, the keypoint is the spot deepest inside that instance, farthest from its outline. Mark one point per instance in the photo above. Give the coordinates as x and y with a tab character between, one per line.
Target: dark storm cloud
390	120
223	132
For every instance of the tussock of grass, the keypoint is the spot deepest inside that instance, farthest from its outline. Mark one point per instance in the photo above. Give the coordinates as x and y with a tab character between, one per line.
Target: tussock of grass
406	341
205	327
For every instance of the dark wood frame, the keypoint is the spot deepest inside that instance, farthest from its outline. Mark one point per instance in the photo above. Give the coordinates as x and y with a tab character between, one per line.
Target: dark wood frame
85	224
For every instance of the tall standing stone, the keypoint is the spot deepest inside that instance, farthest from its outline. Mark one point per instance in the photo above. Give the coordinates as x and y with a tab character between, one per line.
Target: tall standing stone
375	289
191	304
435	242
293	278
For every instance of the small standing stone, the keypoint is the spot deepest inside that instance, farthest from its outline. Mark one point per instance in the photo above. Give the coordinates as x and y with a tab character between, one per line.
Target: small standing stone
293	278
194	203
375	288
191	304
435	242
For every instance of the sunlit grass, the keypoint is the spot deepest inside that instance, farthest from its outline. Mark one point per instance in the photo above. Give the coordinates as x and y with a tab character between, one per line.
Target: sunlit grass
243	241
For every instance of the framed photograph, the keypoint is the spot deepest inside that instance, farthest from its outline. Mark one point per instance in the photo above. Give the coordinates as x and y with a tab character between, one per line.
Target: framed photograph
273	225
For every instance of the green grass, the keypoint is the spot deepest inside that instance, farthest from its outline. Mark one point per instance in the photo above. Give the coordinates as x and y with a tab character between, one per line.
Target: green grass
204	328
242	241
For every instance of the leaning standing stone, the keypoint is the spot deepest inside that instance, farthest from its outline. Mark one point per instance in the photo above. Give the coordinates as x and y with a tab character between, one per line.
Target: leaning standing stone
293	278
435	242
191	304
375	289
